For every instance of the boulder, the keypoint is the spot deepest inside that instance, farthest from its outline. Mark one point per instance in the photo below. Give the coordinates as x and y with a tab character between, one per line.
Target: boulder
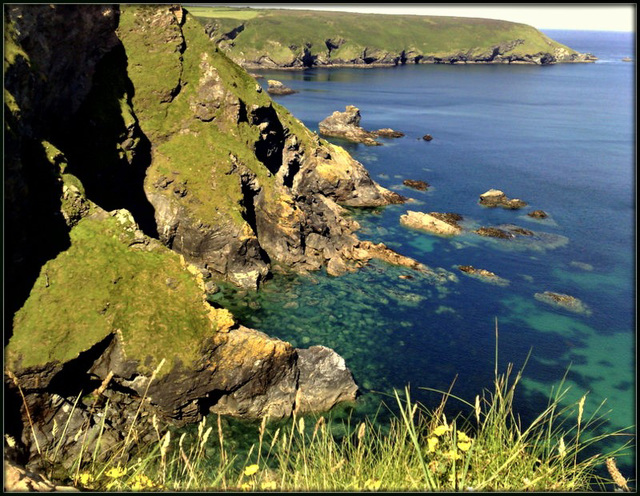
388	133
277	88
496	198
538	214
433	222
427	137
415	184
564	301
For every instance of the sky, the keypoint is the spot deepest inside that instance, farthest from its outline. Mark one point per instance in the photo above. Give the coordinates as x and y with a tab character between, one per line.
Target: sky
589	16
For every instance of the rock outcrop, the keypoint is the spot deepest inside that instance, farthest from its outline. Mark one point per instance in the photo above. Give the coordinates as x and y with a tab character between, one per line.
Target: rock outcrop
483	275
496	198
564	301
538	214
278	88
416	184
434	222
346	125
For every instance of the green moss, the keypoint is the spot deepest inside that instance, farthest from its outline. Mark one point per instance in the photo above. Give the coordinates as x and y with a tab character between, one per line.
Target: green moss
101	285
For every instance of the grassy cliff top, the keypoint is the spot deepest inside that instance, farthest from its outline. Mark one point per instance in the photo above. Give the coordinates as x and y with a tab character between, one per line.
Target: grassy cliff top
429	35
101	285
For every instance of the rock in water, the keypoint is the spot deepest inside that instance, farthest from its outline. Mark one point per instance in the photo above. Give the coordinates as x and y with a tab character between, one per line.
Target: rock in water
324	379
496	198
346	125
277	88
442	224
415	184
565	301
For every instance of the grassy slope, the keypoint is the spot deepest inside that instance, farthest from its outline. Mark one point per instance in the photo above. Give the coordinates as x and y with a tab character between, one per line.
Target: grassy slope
273	31
99	285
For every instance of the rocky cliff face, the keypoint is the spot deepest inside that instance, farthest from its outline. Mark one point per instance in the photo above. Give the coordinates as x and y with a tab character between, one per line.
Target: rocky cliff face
139	163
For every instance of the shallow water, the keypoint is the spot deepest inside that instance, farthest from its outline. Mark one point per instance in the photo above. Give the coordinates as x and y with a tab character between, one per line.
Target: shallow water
562	139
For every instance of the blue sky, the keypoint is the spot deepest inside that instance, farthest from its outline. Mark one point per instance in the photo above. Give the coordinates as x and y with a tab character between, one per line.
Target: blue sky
603	17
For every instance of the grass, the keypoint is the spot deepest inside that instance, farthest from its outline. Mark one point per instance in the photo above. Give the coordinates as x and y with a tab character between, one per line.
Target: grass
100	285
419	450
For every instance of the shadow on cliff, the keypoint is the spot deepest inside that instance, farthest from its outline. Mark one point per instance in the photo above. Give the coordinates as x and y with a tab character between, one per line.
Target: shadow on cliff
35	230
105	146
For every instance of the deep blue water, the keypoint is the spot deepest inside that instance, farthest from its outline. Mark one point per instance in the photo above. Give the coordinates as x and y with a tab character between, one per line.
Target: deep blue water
560	137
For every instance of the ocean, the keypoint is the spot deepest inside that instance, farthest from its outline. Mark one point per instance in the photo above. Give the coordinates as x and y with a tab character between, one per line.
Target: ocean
561	138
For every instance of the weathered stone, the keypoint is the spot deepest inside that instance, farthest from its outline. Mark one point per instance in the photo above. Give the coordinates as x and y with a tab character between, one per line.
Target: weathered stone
278	88
538	214
346	125
416	184
388	133
496	198
564	301
431	223
324	380
483	275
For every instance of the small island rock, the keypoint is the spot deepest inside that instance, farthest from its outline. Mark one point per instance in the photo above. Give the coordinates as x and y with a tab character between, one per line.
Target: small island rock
496	198
483	275
415	184
427	137
277	88
538	214
565	301
346	125
434	222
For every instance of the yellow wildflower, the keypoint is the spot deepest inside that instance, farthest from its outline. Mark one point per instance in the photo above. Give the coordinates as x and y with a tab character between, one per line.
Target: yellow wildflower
251	470
246	486
463	437
464	445
268	486
433	443
140	482
84	478
116	472
372	484
451	454
440	430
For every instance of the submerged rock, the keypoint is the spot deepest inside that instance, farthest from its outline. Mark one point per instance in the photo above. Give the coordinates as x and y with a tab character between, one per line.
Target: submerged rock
564	301
496	198
278	88
416	184
434	222
483	275
538	214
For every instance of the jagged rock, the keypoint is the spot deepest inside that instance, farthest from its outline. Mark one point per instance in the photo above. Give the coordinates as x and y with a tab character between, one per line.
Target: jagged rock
277	88
483	275
388	133
415	184
442	224
346	125
324	379
538	214
564	301
496	198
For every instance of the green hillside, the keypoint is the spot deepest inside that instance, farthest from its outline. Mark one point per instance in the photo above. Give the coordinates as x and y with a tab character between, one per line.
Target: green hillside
299	38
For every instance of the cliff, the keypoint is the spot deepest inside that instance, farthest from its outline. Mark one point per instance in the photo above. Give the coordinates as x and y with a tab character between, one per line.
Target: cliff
140	164
281	38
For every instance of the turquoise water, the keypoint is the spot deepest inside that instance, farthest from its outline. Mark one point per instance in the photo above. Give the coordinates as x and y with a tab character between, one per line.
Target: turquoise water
562	139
